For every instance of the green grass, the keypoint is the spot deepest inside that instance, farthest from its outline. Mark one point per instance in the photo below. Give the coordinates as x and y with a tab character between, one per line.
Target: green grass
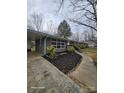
91	52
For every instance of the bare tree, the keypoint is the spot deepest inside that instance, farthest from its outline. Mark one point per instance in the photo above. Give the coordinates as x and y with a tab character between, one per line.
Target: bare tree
86	35
51	28
92	35
29	24
35	21
84	12
76	36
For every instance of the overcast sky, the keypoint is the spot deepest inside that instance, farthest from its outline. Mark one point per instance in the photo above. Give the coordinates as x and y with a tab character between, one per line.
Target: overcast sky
48	8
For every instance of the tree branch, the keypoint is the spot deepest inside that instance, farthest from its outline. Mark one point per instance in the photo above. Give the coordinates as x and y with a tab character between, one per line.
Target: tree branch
61	3
80	23
90	18
94	7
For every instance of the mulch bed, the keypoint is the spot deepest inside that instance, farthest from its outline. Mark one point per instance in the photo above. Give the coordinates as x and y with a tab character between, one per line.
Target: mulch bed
65	62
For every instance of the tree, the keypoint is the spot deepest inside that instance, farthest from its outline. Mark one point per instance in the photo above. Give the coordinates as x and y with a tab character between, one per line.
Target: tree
51	28
29	24
84	12
35	22
77	36
86	35
64	29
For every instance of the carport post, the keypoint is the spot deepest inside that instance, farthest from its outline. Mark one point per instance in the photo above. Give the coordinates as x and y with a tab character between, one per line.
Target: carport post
45	46
40	45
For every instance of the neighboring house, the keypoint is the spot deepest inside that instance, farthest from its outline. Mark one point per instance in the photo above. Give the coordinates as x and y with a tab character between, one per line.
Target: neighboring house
91	44
42	40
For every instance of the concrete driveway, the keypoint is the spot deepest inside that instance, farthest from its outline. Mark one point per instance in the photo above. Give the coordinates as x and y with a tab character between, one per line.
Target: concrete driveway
43	77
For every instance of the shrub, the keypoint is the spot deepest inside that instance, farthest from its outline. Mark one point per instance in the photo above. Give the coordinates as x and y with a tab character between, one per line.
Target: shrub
77	47
51	52
70	49
83	45
86	45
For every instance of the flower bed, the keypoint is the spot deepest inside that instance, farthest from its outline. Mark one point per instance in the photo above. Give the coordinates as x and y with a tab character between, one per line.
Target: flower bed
65	62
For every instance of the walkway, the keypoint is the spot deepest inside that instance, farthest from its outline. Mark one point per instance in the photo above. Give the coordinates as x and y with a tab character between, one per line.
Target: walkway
85	74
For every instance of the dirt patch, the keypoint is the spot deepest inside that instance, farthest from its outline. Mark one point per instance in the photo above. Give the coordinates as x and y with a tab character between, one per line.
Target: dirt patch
65	62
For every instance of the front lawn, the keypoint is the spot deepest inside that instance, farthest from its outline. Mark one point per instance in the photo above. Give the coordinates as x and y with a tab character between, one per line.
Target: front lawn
91	52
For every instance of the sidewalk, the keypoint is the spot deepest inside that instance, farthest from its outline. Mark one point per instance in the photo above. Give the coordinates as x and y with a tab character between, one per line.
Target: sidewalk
85	74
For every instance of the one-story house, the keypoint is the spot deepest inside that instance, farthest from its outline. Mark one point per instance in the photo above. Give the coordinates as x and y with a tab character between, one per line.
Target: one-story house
42	40
91	44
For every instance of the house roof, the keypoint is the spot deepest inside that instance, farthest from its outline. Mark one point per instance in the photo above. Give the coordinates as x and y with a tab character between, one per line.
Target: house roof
90	43
34	35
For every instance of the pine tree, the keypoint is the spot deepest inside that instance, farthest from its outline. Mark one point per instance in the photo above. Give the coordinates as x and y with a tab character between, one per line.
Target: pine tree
64	29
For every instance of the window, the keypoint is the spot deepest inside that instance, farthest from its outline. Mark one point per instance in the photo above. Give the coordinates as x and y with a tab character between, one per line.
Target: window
53	43
58	44
62	43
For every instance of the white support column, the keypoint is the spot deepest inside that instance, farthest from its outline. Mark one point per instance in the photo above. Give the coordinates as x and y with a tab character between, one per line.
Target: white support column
40	46
28	45
45	45
40	42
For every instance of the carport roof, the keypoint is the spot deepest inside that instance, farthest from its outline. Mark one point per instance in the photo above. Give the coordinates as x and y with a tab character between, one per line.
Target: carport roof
34	35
